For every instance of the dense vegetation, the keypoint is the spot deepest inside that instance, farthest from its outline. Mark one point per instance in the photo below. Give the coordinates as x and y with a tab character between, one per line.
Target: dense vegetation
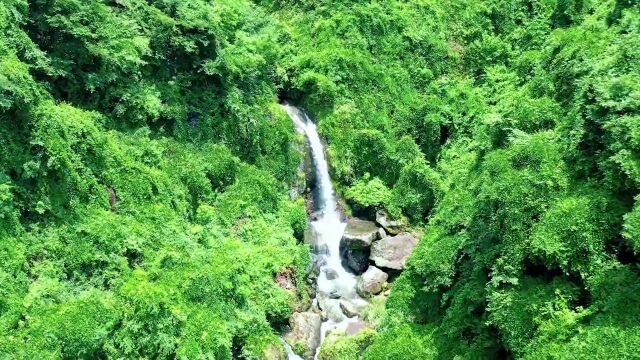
145	166
510	130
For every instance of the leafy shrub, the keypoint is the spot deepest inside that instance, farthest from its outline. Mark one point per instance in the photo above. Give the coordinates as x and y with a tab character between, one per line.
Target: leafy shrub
368	193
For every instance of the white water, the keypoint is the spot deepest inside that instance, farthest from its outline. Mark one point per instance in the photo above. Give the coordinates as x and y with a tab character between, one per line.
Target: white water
329	229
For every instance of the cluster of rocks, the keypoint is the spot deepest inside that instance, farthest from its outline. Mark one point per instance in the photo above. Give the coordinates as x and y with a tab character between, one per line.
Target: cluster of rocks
373	250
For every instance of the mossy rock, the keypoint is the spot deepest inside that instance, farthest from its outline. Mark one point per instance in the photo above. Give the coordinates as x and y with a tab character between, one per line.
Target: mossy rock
339	346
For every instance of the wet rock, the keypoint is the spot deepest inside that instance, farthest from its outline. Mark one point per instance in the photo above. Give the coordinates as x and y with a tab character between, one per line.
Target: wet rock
314	269
322	299
312	238
359	234
330	309
370	283
393	227
331	274
393	252
348	308
356	327
357	260
309	169
304	336
334	314
314	216
299	185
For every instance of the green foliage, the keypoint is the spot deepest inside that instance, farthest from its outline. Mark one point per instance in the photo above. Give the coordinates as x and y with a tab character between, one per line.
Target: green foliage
403	342
143	174
369	193
144	167
415	192
632	228
571	235
346	348
508	129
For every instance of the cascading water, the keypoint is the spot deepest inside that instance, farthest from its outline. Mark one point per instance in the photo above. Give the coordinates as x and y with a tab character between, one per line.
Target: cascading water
334	283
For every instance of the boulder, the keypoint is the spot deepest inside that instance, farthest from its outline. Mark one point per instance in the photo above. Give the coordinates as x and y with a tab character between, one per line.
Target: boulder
370	283
304	336
330	308
356	327
393	252
330	274
357	260
359	234
393	227
348	308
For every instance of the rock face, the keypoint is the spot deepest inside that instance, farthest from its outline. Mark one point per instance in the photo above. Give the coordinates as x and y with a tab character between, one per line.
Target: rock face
393	227
393	252
370	283
305	333
311	238
359	234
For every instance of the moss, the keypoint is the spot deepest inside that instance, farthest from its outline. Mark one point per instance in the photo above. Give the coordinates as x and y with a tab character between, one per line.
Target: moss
342	347
300	348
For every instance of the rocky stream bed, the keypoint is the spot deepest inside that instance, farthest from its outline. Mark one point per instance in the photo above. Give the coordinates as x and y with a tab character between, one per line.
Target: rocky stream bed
354	259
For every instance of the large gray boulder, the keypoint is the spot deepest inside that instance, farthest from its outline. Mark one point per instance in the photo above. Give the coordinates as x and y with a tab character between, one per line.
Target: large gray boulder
305	333
359	234
393	252
370	283
393	227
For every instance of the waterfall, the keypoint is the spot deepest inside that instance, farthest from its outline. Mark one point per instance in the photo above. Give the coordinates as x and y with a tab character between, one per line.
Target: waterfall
334	284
